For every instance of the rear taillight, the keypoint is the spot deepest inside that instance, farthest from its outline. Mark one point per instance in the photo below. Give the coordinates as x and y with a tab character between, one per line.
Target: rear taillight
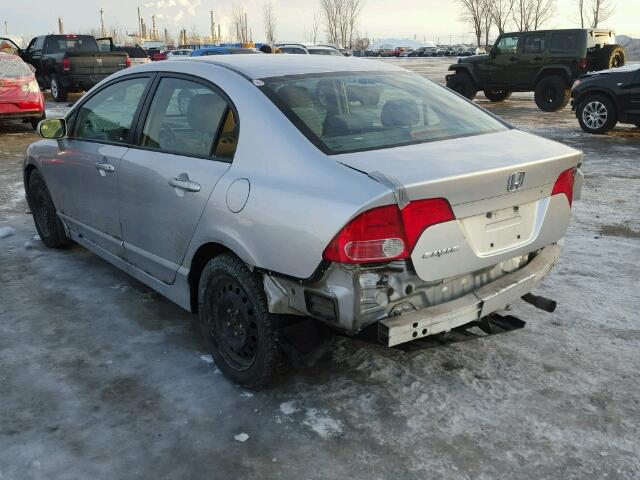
127	62
386	233
564	184
66	64
583	63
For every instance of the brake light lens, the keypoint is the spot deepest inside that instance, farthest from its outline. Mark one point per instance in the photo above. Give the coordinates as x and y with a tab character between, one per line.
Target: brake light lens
564	184
66	64
386	233
127	62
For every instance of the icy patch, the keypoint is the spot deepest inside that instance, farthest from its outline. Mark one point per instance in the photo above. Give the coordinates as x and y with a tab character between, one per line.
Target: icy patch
246	394
37	237
6	232
288	408
241	437
206	359
322	424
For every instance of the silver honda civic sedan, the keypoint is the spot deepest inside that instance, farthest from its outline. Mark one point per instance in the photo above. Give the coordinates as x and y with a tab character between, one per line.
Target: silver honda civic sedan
261	191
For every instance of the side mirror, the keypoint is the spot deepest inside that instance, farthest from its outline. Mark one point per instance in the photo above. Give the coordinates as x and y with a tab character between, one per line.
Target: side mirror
53	128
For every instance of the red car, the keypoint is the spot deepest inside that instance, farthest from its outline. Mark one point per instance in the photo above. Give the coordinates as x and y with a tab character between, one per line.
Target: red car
20	95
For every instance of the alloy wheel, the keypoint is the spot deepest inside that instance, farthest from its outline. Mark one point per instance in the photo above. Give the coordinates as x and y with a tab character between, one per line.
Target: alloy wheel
594	115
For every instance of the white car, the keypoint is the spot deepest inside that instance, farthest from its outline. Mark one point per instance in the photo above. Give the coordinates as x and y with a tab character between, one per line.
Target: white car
180	53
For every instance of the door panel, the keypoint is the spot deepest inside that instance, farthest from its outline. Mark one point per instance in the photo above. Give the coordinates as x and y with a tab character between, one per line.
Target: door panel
86	172
506	56
165	184
531	59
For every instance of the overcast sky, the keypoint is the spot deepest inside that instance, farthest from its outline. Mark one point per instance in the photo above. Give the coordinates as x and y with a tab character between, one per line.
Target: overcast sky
424	19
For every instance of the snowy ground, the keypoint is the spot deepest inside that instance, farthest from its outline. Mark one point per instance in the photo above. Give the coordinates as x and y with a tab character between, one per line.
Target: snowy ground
102	378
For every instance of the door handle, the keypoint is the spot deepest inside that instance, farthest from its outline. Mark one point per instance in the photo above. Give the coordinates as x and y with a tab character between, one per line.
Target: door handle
183	183
105	167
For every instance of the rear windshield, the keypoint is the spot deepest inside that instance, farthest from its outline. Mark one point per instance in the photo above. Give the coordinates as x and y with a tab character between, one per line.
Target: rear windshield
350	112
133	52
64	43
325	51
13	68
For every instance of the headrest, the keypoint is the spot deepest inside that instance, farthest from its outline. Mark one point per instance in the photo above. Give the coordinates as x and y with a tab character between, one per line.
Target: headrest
400	113
296	96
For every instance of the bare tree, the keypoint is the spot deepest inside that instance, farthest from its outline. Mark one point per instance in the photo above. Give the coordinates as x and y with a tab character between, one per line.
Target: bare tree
594	12
487	20
315	26
341	18
501	13
239	21
361	43
532	14
269	22
472	14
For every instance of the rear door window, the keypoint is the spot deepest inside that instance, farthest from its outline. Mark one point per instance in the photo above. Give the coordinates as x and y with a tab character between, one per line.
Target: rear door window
534	44
108	115
564	42
189	118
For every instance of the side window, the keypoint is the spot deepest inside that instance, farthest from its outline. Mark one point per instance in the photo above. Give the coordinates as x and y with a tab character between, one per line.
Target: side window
564	42
188	118
39	45
508	45
534	44
107	116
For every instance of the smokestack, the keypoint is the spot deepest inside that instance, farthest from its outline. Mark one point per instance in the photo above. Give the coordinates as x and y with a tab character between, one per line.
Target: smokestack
60	26
139	24
104	34
154	29
213	27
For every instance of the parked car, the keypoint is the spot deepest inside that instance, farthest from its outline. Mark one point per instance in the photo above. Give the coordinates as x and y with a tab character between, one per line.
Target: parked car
71	63
603	99
20	95
299	49
375	197
157	55
137	55
545	61
178	53
208	51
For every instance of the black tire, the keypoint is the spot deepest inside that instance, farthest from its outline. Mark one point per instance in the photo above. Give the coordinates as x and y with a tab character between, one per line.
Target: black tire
610	56
597	114
497	94
462	84
552	93
58	92
240	333
47	222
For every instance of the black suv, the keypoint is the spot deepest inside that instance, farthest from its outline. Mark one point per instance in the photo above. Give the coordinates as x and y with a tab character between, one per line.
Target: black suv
544	61
603	99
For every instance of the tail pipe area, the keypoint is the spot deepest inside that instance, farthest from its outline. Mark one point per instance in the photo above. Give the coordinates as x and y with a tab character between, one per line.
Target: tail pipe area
542	303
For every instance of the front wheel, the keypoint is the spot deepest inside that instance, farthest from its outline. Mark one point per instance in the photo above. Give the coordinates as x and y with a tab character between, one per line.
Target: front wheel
240	333
497	94
552	94
597	114
462	84
48	224
58	92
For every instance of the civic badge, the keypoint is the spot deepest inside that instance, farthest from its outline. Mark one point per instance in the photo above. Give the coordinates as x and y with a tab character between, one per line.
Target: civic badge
516	180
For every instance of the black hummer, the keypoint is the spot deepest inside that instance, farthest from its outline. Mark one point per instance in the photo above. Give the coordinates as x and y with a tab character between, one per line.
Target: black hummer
68	63
545	61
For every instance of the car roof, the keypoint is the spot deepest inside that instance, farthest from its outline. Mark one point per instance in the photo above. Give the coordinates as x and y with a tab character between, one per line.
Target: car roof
265	66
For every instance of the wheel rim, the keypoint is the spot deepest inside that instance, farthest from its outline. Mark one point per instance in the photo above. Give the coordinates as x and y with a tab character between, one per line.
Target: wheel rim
616	62
594	115
550	95
232	325
54	88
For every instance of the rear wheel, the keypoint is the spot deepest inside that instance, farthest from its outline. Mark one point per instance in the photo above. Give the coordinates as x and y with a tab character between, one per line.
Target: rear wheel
610	56
552	93
239	331
58	92
497	94
462	84
48	224
597	114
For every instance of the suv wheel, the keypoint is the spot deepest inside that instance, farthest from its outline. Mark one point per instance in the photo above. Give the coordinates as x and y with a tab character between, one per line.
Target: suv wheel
240	333
552	93
58	92
462	83
48	224
611	56
497	94
597	114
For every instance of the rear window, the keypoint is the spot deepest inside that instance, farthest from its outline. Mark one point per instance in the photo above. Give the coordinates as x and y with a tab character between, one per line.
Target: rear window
564	42
64	43
350	112
324	51
13	67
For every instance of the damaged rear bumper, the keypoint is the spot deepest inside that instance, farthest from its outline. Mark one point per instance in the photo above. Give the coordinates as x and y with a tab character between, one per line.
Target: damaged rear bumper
405	306
472	307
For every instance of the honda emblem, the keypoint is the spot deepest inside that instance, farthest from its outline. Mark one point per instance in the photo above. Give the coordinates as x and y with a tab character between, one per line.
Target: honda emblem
516	180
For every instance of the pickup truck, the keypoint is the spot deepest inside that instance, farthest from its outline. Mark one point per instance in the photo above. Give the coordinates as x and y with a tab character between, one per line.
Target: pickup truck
71	63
